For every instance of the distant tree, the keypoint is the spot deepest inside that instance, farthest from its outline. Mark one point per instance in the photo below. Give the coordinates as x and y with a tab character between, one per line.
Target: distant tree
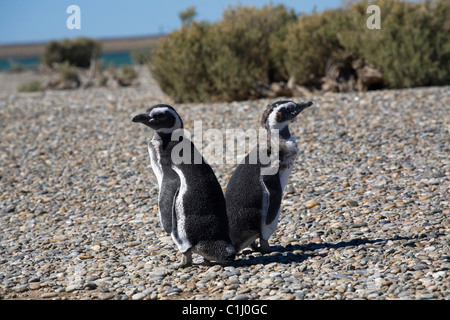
187	16
78	52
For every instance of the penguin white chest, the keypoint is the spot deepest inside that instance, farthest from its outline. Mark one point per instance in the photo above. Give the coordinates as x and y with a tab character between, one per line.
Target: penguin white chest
179	234
153	151
287	163
286	166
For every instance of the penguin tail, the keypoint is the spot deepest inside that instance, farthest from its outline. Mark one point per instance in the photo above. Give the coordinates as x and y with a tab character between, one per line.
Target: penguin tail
221	251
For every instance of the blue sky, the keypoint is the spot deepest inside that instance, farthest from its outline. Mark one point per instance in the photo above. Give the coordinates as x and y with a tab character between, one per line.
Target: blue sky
23	21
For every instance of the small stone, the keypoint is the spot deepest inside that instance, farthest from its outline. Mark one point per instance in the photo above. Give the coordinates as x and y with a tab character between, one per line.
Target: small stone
34	286
316	240
311	204
351	203
139	296
73	287
85	256
439	274
90	286
173	291
388	207
34	279
21	288
227	296
49	295
426	296
241	297
105	295
385	282
358	225
409	243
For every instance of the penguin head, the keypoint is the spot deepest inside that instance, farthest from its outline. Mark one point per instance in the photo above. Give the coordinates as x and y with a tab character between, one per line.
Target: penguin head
161	118
279	114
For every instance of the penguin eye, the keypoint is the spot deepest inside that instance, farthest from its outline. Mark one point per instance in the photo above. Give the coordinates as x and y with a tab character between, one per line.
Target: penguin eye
160	115
288	108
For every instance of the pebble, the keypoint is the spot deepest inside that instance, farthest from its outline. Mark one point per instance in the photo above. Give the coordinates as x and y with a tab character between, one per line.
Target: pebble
34	286
352	203
311	204
105	295
139	296
365	215
21	288
73	287
90	286
49	295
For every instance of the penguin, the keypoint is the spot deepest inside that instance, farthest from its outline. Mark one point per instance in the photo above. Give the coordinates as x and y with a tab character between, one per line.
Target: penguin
191	201
252	197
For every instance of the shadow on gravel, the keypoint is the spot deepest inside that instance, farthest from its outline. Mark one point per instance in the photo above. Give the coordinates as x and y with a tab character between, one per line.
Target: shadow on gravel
287	254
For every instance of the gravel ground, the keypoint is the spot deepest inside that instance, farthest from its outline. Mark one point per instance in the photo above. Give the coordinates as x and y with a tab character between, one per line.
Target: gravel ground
365	215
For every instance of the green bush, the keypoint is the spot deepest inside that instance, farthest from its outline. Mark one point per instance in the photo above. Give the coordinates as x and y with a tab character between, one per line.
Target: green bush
16	68
249	46
412	48
102	80
78	52
69	73
222	61
188	15
311	41
178	63
31	86
126	75
141	55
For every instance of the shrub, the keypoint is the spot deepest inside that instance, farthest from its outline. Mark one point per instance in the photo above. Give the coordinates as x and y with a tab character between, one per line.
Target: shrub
412	48
31	86
311	41
69	73
188	15
178	63
222	61
78	52
141	55
68	78
102	80
125	75
16	68
250	47
249	31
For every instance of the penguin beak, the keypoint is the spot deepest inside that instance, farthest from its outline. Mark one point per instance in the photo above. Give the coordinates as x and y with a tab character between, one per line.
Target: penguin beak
142	118
302	106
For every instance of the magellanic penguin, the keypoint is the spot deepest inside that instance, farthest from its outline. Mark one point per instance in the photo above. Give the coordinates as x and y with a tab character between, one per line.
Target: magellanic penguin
253	199
191	201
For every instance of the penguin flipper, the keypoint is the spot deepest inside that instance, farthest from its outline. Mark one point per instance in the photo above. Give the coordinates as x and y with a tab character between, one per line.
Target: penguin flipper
272	183
178	229
174	212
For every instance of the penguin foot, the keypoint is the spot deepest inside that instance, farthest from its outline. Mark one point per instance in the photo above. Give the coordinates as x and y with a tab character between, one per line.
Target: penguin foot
264	246
186	260
254	246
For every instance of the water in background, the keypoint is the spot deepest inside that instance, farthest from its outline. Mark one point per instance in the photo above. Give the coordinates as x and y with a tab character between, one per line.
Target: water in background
115	58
